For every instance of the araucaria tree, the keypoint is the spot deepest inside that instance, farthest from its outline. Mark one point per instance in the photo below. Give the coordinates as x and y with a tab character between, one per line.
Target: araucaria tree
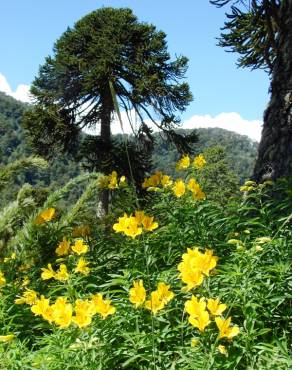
261	32
107	60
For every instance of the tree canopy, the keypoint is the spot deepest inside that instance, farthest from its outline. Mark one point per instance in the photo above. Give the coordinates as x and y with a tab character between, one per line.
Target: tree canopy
107	57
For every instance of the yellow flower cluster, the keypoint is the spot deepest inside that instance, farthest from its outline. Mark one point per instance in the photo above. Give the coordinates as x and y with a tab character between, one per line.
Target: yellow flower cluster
45	216
61	312
201	312
185	162
179	189
195	265
248	186
134	225
64	247
158	298
61	274
156	180
111	181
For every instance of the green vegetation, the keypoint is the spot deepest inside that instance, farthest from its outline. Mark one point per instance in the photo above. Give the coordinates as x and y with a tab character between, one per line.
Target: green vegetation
121	291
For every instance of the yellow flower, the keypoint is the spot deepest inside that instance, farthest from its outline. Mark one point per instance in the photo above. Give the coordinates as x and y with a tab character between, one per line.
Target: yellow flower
148	223
166	181
63	248
139	215
165	295
47	273
81	231
194	307
258	248
2	279
206	262
62	312
215	307
84	310
113	180
137	293
191	277
6	338
200	321
222	349
224	328
82	267
199	161
103	306
133	228
122	224
29	297
42	308
179	188
45	216
183	163
62	273
152	181
79	247
154	304
197	192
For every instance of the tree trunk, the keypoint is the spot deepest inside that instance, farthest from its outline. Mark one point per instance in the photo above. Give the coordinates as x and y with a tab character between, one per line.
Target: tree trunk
275	149
105	134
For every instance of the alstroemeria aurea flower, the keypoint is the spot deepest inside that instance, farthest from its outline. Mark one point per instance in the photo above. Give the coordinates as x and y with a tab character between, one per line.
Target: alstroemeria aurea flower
62	273
183	163
200	321
79	247
165	295
215	307
137	293
62	312
42	308
225	330
179	188
103	306
148	223
29	297
63	248
199	161
45	216
82	267
154	304
194	307
84	310
47	273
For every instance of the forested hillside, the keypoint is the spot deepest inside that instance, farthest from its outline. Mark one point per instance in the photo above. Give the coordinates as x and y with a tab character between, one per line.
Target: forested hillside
240	151
13	147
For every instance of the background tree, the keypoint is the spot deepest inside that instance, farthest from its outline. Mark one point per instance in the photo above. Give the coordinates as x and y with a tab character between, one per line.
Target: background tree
261	32
108	57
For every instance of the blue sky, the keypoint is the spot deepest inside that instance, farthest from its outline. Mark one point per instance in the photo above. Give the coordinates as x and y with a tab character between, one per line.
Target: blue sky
28	29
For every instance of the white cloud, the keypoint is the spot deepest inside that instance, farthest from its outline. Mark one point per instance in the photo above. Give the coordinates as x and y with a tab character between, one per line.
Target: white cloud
229	121
21	93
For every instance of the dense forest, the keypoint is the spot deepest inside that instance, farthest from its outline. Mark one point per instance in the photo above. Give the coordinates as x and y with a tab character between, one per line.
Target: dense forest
240	152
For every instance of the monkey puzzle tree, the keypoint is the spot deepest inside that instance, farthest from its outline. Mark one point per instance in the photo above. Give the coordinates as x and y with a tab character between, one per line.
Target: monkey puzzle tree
261	32
107	59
